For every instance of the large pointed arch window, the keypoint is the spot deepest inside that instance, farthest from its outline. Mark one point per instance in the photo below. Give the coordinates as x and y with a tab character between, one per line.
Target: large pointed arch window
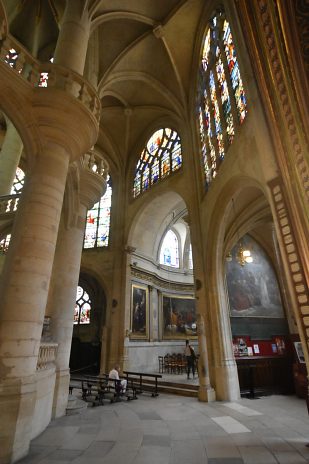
98	221
160	157
169	254
222	104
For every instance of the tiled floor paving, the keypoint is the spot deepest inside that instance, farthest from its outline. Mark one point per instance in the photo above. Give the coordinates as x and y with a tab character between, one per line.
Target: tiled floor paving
176	430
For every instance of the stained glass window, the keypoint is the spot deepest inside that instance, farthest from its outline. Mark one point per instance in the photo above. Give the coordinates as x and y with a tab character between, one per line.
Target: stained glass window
11	58
4	244
98	221
233	67
169	254
18	182
221	99
82	307
161	156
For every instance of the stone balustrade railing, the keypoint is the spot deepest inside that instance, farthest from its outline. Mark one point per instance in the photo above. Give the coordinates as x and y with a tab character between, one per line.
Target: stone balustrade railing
47	355
8	204
95	163
48	74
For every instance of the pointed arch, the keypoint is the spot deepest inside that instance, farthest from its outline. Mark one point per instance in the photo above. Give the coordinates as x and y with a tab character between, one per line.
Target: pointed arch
160	157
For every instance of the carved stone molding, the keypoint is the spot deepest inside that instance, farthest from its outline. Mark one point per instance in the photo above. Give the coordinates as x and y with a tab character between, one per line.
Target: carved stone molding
292	254
279	77
161	283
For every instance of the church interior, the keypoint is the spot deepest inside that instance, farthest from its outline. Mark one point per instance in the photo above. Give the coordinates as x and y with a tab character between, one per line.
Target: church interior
154	186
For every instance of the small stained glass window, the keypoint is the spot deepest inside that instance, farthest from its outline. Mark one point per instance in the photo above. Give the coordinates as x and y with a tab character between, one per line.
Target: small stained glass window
4	244
161	156
82	307
221	99
98	221
169	254
18	182
11	58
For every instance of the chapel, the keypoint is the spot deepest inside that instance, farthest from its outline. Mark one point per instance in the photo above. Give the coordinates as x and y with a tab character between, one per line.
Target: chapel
154	187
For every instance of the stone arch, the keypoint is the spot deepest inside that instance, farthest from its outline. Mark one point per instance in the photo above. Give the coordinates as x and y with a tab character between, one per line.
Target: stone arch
158	210
87	339
251	210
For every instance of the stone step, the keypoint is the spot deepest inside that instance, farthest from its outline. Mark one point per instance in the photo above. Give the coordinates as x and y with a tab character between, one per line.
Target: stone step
75	406
178	389
184	389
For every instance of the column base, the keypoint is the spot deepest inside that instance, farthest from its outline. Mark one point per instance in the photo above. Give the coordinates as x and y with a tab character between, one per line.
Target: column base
206	394
61	394
17	402
227	384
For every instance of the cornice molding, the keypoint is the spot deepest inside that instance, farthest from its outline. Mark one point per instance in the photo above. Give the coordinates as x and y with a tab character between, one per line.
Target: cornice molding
161	283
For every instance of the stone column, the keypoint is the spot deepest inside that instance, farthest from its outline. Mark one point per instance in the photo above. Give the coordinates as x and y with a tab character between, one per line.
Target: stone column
11	150
92	61
205	392
24	290
28	266
225	369
62	295
72	43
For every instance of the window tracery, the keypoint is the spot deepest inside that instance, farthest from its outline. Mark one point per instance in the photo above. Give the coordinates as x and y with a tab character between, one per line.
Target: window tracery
169	254
98	221
160	157
222	103
82	307
18	182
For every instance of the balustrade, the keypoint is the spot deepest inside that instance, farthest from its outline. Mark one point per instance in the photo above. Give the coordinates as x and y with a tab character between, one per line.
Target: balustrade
8	204
48	75
95	164
47	355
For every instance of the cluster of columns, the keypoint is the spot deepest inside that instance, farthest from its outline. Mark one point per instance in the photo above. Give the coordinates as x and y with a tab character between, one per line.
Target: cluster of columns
41	268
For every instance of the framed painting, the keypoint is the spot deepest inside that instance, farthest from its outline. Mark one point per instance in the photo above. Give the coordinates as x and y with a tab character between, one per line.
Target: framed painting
139	312
253	288
178	317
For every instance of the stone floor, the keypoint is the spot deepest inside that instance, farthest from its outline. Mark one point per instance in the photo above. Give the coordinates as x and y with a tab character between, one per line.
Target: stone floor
177	430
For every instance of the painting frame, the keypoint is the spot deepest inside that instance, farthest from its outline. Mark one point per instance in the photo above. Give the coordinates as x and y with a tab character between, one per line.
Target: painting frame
184	308
139	312
300	352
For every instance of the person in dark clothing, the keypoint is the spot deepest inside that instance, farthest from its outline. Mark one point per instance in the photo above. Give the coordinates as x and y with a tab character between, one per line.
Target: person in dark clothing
190	357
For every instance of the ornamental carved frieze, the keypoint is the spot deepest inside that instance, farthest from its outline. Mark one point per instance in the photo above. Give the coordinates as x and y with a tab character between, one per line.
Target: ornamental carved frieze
278	72
156	281
292	254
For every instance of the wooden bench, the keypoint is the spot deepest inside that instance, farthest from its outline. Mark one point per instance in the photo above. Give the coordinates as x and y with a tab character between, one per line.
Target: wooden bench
100	388
93	388
138	380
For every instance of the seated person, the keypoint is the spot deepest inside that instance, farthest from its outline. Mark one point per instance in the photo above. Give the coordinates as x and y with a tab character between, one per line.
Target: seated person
114	374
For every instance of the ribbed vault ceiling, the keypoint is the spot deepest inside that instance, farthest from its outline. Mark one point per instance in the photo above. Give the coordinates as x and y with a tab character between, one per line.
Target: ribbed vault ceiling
144	51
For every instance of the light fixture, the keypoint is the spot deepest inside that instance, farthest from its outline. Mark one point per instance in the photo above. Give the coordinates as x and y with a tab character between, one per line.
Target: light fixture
243	256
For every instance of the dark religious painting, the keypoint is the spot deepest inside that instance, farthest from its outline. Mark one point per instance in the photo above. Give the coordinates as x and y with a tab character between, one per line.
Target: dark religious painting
253	288
178	316
139	312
